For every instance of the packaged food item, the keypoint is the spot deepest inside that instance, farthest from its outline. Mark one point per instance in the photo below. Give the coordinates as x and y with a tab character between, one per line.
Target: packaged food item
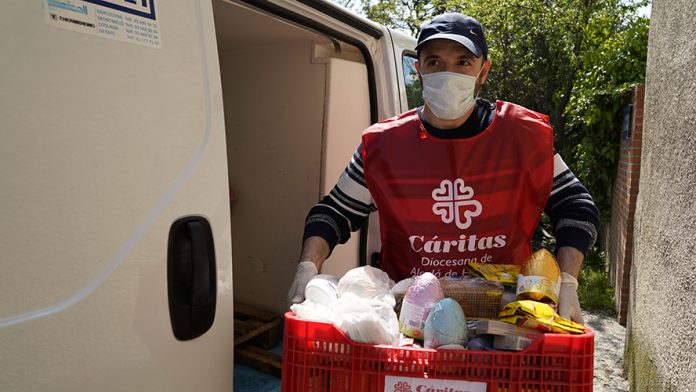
446	325
511	343
501	328
538	315
399	290
481	343
419	300
322	289
509	295
500	273
539	277
478	297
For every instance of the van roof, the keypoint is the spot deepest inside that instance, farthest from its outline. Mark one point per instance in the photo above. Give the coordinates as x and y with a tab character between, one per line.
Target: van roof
347	16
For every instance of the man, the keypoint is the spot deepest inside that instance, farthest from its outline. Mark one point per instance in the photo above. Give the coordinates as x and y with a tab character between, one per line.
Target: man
457	180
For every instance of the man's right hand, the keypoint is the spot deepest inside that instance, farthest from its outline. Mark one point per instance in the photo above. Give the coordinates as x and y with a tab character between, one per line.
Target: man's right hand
306	270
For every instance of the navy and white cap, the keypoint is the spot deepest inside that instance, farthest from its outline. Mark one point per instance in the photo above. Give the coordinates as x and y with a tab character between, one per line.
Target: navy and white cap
456	27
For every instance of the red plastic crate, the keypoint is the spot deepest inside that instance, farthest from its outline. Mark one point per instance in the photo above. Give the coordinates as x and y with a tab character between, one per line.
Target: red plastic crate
319	357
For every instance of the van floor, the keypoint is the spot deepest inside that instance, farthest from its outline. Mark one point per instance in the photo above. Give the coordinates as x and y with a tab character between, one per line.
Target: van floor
247	379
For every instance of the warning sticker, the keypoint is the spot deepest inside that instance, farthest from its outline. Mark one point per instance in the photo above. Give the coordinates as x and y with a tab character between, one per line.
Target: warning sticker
133	21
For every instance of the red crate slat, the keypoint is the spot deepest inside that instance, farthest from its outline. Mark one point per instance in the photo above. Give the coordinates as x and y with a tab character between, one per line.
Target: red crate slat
318	357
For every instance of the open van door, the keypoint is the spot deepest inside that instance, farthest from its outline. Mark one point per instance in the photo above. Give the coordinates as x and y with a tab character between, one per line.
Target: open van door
301	81
407	94
114	205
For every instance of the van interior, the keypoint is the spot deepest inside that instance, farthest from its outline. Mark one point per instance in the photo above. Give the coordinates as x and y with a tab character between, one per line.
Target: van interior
295	103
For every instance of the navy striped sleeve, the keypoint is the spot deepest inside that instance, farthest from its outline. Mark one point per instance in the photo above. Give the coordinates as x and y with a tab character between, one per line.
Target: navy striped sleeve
573	214
345	209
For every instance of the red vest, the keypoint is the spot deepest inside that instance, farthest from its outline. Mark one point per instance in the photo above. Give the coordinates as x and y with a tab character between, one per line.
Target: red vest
443	203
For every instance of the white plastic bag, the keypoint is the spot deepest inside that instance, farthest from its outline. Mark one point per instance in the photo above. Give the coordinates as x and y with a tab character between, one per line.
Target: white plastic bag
367	320
310	310
367	282
399	289
364	309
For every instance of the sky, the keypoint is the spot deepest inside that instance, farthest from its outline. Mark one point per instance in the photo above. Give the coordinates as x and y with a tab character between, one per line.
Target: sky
356	6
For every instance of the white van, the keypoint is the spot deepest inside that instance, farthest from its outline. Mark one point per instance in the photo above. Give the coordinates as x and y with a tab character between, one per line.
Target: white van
157	161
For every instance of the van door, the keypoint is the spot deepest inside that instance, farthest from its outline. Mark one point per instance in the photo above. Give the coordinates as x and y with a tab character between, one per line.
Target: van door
112	131
299	88
406	93
410	91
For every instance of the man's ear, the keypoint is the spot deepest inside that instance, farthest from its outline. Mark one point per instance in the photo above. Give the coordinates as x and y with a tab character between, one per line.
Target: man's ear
484	71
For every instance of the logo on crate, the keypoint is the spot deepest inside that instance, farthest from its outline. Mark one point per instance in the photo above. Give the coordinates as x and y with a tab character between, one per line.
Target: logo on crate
454	203
403	386
412	384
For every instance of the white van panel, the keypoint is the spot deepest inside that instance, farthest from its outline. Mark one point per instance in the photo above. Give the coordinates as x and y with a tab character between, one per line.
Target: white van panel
399	43
347	115
104	145
274	100
402	43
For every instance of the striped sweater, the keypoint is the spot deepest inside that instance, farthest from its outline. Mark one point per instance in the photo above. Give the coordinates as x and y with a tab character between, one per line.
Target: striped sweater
574	217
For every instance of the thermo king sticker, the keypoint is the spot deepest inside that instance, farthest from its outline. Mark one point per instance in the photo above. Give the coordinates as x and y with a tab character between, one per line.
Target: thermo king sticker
411	384
133	21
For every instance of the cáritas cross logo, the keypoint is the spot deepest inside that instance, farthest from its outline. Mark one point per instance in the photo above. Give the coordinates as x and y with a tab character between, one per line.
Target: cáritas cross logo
413	384
454	202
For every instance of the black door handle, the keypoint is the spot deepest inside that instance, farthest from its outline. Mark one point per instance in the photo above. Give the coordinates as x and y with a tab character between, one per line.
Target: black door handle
191	277
201	270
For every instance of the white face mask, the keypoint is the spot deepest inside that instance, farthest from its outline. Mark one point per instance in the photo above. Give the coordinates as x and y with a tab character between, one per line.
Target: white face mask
449	94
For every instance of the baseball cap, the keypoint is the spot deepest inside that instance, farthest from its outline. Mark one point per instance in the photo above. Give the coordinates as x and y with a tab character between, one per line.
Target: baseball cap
456	27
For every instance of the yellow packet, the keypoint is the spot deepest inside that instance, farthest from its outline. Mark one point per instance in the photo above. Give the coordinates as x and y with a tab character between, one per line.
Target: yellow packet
501	273
538	315
539	325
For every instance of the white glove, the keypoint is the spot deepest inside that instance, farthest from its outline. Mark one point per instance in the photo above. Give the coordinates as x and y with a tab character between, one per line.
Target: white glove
306	270
568	304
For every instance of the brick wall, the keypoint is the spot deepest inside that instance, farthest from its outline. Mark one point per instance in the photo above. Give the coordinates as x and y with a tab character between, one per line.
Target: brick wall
619	237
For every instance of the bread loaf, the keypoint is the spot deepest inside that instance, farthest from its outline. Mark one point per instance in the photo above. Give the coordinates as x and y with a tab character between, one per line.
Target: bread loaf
539	278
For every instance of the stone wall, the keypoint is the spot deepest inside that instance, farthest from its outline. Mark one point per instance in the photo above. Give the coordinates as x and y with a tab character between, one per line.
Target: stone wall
661	327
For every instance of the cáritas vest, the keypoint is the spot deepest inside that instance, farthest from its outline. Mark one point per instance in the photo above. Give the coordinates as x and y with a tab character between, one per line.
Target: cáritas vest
445	202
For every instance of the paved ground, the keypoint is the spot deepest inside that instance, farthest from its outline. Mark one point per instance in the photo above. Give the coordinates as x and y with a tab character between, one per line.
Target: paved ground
609	352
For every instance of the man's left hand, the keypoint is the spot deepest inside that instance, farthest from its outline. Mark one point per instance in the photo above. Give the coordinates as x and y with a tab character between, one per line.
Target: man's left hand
568	303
